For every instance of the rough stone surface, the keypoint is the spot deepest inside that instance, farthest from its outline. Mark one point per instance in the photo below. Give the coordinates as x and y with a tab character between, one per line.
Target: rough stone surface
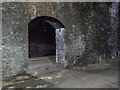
0	45
88	29
14	39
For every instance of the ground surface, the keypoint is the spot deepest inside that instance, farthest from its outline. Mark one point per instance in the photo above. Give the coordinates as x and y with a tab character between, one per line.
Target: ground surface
101	75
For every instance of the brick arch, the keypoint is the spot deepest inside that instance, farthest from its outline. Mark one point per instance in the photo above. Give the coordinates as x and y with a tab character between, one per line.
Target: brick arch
59	31
51	20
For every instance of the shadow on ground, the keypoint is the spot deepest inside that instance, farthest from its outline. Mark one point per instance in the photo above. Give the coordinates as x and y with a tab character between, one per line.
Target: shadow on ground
25	81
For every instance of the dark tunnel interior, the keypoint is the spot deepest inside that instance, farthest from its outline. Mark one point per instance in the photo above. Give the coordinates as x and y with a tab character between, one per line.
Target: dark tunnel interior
42	40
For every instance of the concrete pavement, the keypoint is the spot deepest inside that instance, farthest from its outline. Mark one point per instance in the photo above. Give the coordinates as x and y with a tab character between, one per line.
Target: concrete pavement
47	75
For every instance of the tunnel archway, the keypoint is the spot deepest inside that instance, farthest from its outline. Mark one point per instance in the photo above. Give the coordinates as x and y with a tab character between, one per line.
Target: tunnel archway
46	37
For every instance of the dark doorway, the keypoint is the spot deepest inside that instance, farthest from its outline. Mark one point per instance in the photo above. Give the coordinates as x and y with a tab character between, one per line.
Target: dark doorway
41	39
46	38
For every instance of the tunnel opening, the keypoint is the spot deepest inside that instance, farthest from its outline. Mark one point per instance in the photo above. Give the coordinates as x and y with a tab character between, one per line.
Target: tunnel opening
46	38
41	39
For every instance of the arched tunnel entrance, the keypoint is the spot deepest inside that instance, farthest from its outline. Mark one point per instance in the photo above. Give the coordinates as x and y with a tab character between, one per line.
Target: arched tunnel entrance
46	38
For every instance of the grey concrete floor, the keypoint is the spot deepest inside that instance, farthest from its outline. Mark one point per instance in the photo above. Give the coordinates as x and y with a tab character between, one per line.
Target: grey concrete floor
45	74
100	75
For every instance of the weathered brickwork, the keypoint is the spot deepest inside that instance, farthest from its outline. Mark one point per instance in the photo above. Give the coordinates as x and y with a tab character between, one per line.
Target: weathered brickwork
88	32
